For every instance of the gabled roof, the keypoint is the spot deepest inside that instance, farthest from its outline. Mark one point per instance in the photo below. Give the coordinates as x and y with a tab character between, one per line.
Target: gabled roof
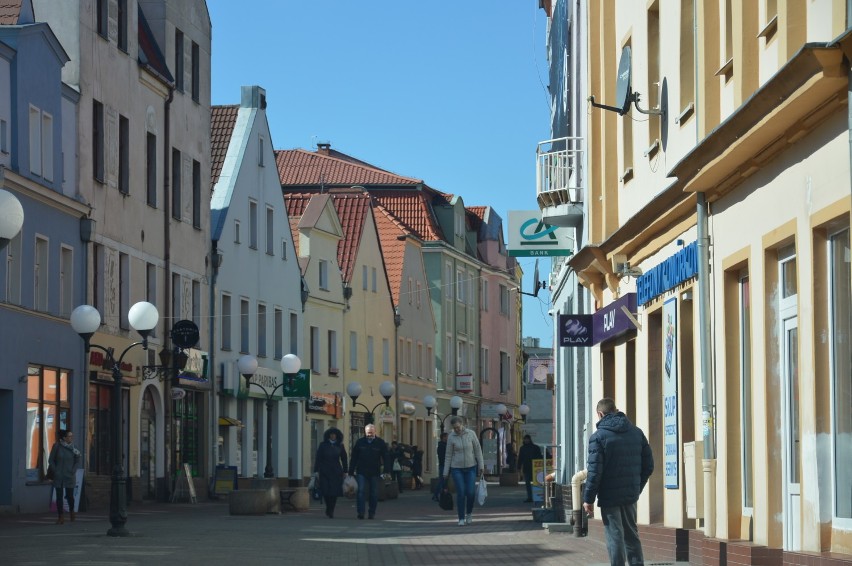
392	237
413	210
222	121
297	167
352	209
150	54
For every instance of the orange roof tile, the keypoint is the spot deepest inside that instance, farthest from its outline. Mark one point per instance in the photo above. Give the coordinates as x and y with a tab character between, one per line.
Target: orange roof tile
297	167
392	238
352	208
222	120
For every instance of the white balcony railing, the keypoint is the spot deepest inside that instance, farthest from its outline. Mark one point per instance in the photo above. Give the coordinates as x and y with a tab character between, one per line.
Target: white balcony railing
559	172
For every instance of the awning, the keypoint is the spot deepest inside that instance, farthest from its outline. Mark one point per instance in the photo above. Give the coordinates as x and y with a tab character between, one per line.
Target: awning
229	421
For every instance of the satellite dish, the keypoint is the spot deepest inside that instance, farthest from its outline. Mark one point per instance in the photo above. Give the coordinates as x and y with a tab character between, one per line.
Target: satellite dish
623	92
536	283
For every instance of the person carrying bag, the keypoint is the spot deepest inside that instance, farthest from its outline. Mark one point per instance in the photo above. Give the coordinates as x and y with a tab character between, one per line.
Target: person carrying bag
464	461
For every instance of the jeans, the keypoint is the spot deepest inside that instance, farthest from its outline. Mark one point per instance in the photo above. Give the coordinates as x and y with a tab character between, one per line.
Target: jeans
465	482
622	536
374	493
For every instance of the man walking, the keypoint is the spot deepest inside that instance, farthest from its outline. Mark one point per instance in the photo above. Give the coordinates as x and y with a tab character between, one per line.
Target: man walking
526	455
619	465
368	455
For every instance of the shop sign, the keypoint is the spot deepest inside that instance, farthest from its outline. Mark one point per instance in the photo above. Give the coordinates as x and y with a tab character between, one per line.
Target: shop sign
575	330
464	382
611	321
326	403
671	452
672	272
297	385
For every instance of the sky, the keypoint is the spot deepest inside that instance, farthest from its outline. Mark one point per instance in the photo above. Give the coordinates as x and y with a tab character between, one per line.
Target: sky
452	92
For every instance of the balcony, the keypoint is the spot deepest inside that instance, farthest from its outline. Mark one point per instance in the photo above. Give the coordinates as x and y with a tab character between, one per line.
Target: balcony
559	175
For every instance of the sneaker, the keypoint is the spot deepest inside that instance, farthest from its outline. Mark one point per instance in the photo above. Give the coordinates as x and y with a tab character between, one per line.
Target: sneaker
360	516
468	520
461	522
371	516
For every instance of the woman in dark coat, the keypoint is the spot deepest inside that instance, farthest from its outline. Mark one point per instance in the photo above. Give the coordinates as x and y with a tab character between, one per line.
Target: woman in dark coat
330	465
63	463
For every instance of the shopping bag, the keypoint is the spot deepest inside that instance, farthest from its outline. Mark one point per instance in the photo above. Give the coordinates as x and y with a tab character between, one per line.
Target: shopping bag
312	484
481	491
350	487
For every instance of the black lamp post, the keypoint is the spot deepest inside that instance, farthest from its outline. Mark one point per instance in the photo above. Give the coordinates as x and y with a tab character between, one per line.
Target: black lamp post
386	389
85	320
247	365
430	403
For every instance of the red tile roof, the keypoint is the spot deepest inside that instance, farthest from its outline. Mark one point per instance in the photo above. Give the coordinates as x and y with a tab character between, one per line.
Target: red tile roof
10	12
412	209
352	209
392	235
297	167
222	121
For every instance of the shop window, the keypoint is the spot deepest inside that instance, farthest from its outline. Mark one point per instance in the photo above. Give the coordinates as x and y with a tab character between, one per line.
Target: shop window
48	412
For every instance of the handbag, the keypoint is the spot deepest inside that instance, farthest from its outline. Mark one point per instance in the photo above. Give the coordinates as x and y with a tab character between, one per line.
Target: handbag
312	484
396	466
49	474
445	501
350	487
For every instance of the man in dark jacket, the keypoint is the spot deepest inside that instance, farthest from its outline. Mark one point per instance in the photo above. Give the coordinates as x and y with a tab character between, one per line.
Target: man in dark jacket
526	455
618	467
368	455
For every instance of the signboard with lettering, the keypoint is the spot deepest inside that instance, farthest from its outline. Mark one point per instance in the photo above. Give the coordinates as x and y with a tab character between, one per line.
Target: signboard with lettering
611	321
298	384
327	403
464	383
672	272
575	330
670	407
530	236
225	480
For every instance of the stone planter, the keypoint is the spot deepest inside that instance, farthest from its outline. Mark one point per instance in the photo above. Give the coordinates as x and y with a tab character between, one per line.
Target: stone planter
508	479
388	490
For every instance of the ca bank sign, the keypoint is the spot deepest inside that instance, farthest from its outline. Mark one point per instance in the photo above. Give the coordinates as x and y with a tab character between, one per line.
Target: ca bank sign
530	236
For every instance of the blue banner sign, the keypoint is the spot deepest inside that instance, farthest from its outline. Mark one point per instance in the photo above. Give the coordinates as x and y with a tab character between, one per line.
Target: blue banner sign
672	272
575	330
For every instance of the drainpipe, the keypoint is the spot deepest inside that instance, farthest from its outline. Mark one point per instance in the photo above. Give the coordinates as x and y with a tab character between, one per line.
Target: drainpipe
707	384
215	262
167	277
397	320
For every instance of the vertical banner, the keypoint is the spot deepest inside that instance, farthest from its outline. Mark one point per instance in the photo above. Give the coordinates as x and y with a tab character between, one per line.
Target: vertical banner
670	409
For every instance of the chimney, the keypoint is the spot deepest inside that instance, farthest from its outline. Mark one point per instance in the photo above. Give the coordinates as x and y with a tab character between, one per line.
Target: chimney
323	147
253	97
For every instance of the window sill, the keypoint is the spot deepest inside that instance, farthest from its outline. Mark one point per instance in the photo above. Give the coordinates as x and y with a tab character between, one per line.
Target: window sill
726	70
685	113
768	31
653	149
626	176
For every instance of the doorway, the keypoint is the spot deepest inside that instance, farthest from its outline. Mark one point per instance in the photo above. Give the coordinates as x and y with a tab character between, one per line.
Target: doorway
148	446
790	414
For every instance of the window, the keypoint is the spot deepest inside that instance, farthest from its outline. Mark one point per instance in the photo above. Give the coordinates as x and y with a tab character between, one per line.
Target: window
333	368
236	231
484	295
504	300
226	322
323	275
483	364
196	194
745	391
409	357
419	293
189	420
840	311
49	410
374	279
98	278
102	18
196	303
179	60
253	224
98	140
177	307
448	281
4	136
151	283
261	330
418	363
353	350
385	356
124	290
410	290
122	25
244	326
460	294
278	333
176	185
270	229
461	354
47	146
35	140
400	354
260	151
364	278
100	429
654	80
123	155
448	356
196	72
504	372
370	359
40	274
687	59
151	169
315	349
66	281
284	249
294	333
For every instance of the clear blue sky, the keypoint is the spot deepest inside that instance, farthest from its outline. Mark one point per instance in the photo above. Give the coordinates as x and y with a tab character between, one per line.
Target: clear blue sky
448	91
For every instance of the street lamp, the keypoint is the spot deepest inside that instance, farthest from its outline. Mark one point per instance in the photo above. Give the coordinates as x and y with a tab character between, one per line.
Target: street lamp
524	410
85	320
501	410
11	217
430	403
247	366
386	389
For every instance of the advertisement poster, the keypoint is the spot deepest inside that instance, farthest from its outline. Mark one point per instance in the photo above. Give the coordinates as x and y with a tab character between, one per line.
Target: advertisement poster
671	452
539	471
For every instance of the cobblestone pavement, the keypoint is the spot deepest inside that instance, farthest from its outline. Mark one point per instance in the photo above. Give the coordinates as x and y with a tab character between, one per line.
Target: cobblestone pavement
407	531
